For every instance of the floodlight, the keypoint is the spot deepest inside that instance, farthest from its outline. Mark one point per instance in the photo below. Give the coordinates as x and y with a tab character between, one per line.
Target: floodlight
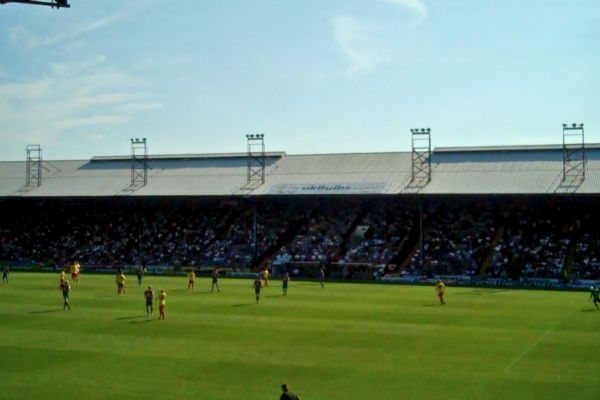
574	125
51	3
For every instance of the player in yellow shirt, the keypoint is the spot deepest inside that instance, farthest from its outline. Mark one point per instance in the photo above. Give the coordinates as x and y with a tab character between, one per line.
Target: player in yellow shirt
77	270
191	279
75	267
121	283
266	276
63	277
440	289
162	302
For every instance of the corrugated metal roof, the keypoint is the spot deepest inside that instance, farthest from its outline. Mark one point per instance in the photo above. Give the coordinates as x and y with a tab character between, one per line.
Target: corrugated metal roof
495	149
534	171
276	154
511	177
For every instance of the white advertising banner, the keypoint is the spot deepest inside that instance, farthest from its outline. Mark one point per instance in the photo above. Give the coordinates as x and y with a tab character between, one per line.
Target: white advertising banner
328	188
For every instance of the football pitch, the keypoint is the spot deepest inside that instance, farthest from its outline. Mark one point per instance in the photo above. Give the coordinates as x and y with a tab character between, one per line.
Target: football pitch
346	341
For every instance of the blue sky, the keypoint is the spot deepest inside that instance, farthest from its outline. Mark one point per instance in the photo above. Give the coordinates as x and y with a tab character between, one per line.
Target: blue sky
315	76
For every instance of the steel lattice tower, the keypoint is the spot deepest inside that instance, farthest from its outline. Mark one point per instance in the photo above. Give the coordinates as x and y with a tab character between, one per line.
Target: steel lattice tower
33	165
421	155
139	162
573	152
256	158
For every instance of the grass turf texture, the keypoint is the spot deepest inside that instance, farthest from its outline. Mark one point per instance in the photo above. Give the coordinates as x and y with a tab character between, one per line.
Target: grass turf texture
347	341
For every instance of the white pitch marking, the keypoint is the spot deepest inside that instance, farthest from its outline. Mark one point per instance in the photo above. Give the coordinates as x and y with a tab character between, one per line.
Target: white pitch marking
527	350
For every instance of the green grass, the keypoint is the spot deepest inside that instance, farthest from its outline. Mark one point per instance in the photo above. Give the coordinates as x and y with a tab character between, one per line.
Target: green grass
347	341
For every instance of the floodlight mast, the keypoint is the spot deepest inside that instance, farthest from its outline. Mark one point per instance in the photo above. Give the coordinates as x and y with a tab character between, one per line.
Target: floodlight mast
55	3
139	162
256	158
33	166
574	157
421	155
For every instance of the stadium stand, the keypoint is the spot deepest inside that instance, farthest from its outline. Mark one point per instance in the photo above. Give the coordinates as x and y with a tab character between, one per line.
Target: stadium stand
495	213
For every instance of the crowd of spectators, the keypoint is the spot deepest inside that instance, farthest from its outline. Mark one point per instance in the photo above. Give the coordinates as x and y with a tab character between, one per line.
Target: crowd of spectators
534	243
322	237
168	233
586	263
382	233
354	237
456	238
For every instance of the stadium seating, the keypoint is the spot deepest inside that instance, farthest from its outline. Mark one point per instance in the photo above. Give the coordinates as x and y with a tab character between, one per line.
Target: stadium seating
354	237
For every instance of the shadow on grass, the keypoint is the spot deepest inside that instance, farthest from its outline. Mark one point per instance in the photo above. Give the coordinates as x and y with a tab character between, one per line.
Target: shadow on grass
589	309
45	311
144	321
242	304
125	318
431	305
480	292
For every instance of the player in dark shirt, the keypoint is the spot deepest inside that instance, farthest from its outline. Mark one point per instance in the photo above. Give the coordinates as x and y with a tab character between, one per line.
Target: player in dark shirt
322	277
286	282
140	276
66	291
149	296
287	395
257	285
215	280
595	295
